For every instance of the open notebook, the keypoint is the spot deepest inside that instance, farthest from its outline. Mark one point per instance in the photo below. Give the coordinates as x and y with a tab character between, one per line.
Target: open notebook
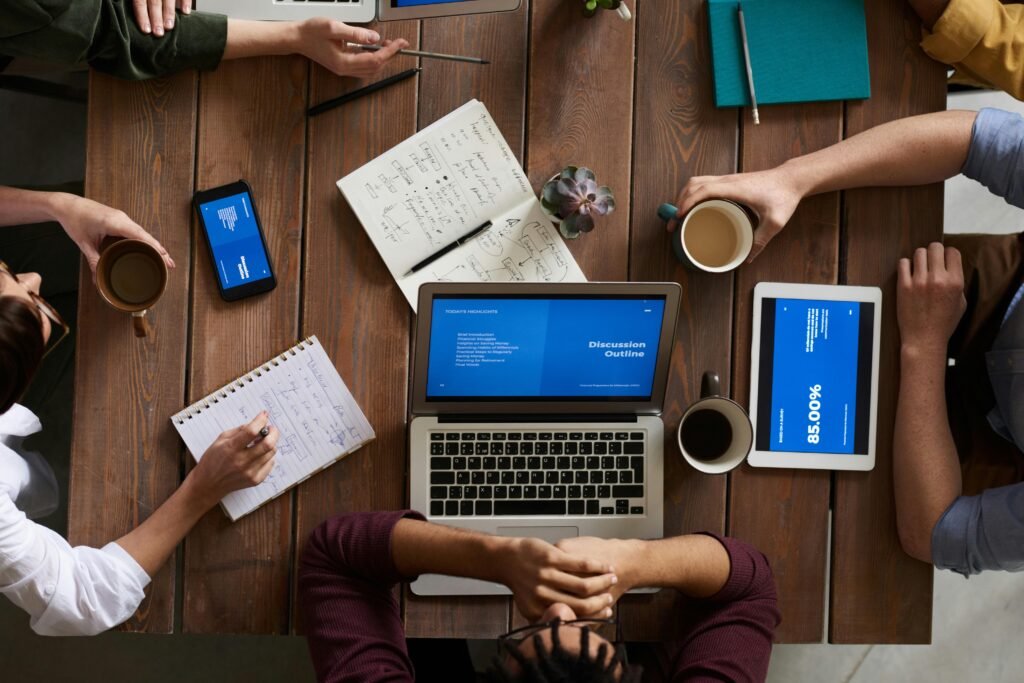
318	420
439	185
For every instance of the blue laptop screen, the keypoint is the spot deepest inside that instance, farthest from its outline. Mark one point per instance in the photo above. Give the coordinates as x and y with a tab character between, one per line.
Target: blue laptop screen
543	348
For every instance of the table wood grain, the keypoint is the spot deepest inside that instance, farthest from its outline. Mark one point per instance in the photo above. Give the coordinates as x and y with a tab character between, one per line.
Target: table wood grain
634	101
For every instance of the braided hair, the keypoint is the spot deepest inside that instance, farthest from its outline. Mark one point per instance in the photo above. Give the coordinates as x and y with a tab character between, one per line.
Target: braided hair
557	665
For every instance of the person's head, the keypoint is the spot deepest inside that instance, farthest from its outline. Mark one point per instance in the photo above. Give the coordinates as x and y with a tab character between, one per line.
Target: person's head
559	647
26	324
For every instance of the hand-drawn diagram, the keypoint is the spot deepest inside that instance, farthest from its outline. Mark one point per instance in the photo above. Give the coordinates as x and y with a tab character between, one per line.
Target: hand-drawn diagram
317	418
442	184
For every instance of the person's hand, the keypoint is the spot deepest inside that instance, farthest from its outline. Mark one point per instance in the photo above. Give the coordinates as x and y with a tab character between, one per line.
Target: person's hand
156	16
930	297
773	195
539	575
324	41
239	458
88	222
621	556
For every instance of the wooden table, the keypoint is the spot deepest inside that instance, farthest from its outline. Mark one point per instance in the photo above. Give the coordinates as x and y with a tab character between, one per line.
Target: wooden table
631	100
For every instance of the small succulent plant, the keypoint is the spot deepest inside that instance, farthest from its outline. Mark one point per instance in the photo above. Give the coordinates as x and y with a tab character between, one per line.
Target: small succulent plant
590	8
574	197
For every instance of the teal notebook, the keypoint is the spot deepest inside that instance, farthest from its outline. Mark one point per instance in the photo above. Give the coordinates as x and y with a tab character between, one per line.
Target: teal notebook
800	51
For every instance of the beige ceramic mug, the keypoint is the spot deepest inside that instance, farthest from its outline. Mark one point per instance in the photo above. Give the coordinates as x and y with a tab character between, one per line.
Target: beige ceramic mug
131	276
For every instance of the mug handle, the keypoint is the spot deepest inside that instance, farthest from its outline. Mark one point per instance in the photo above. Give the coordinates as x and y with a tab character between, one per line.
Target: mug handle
710	385
142	328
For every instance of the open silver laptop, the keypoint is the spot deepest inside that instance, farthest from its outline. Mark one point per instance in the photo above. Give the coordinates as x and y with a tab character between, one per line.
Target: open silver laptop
353	11
536	411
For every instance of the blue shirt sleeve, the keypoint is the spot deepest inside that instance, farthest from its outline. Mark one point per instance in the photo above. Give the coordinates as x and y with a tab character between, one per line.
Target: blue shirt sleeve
996	155
979	533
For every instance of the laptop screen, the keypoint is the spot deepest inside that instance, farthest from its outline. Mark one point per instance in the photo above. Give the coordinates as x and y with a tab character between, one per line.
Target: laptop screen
543	347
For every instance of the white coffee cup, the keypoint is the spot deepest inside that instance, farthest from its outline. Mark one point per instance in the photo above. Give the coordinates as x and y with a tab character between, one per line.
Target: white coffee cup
715	434
715	236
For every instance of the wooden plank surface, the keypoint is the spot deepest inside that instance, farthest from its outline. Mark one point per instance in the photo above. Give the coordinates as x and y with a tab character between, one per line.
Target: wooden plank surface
350	300
125	455
445	86
252	125
879	593
780	511
679	134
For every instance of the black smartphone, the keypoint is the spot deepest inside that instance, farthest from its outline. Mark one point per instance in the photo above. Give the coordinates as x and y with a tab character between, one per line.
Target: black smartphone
238	249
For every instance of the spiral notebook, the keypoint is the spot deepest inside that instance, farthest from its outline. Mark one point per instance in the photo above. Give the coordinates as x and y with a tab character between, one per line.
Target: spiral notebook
317	417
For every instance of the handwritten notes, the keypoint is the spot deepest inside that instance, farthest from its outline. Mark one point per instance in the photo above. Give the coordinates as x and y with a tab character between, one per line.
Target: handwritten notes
441	184
317	417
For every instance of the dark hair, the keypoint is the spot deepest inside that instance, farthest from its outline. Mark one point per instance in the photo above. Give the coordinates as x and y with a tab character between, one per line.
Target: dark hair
21	348
557	665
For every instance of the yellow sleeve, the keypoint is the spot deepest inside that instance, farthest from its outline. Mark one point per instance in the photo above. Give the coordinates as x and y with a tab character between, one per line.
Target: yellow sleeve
983	40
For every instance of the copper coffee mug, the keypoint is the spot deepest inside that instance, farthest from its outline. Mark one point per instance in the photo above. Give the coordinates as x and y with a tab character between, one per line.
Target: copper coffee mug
131	276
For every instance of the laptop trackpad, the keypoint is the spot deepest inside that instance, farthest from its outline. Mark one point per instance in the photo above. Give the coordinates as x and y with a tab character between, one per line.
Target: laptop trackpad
551	534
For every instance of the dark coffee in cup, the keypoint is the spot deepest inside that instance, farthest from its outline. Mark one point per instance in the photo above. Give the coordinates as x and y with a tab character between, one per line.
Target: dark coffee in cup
131	276
706	434
136	278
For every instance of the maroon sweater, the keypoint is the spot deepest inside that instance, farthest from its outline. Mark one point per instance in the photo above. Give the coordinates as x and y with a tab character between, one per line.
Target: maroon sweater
354	626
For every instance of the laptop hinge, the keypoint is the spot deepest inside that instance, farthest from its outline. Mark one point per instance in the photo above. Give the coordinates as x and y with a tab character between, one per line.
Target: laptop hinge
443	419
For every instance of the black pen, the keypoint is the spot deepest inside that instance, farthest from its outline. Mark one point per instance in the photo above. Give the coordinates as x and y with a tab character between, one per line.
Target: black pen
444	250
259	437
356	94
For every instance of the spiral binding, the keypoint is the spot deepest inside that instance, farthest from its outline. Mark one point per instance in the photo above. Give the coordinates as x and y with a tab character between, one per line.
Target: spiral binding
240	382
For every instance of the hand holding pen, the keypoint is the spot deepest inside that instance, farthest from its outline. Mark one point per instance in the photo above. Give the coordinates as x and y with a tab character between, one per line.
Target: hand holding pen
239	458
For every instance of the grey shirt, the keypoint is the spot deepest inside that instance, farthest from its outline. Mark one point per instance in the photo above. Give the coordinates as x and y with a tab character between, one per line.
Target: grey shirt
983	532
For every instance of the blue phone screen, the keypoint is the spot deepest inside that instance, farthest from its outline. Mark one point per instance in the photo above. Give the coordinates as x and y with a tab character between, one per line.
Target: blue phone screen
238	252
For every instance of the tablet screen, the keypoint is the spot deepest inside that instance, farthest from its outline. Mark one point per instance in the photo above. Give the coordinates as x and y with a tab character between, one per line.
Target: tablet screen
814	388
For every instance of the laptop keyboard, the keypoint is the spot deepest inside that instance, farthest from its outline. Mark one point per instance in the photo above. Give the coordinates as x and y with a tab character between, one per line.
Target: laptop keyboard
550	473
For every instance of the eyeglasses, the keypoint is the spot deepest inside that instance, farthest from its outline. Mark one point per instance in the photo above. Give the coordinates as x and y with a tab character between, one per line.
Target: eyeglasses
519	635
47	310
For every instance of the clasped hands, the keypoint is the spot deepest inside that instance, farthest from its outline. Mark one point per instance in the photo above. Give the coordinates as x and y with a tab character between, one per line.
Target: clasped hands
587	574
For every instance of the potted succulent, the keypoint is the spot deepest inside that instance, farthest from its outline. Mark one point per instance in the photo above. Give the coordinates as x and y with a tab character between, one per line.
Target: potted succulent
573	198
590	8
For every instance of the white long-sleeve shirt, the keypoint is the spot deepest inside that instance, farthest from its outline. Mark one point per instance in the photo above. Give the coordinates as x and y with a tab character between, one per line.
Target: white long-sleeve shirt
65	590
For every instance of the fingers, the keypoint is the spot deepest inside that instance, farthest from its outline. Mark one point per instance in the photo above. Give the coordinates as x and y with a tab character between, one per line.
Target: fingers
169	14
596	604
391	48
263	472
185	6
267	443
341	31
936	259
920	271
580	586
903	277
762	236
954	264
578	564
156	17
126	227
141	10
247	433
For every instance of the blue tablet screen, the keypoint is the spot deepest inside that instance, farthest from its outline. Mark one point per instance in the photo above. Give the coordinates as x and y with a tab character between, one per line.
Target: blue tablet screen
814	384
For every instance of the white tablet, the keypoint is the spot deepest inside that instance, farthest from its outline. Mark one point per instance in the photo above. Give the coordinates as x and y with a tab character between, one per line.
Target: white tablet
814	376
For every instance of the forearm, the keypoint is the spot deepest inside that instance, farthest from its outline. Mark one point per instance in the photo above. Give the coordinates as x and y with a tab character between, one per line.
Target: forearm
926	469
695	565
22	207
423	548
911	151
258	38
153	541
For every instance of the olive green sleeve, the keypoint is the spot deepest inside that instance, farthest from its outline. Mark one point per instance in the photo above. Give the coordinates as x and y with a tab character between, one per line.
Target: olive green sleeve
104	34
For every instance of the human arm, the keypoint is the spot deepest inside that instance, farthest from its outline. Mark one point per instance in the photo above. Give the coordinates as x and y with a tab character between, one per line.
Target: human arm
926	469
912	151
350	566
981	39
727	631
103	34
87	222
83	590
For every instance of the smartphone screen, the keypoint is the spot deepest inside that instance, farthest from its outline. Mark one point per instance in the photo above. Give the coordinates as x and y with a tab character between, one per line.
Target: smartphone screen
236	243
